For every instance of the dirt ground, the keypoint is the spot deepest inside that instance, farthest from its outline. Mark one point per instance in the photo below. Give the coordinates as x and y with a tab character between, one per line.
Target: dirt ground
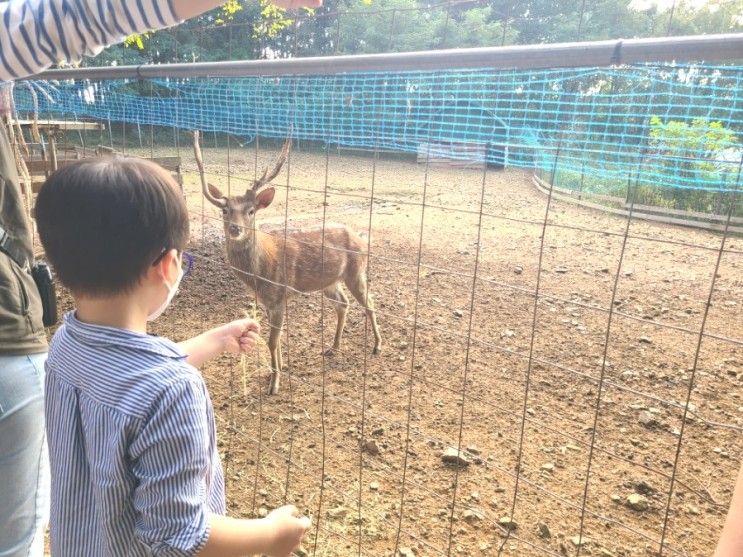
356	440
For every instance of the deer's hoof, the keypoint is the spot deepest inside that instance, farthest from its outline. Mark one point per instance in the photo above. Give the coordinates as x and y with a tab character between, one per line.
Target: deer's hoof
273	387
329	352
377	350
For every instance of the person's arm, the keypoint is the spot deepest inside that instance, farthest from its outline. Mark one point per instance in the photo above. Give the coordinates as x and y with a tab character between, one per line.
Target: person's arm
186	9
36	34
731	540
278	535
237	336
168	458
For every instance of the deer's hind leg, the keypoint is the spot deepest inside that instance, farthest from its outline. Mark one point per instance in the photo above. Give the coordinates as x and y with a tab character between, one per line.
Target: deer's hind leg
359	288
339	299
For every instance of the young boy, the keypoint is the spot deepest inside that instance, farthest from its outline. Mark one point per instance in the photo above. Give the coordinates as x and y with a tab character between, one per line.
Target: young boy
135	468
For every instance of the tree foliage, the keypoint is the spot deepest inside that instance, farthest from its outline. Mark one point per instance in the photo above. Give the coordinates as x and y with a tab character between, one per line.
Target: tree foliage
246	29
684	142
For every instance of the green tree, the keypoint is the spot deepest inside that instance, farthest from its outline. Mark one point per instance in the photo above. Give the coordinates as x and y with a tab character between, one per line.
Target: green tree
246	29
693	146
691	150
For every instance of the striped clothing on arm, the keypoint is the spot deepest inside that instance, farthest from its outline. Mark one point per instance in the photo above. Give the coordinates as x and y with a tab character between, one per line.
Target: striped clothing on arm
37	34
132	443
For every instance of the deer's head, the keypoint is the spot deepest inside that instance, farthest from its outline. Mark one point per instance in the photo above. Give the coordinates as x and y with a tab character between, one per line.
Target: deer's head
238	211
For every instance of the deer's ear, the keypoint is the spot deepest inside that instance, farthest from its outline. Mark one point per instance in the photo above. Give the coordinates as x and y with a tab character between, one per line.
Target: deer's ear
264	198
215	191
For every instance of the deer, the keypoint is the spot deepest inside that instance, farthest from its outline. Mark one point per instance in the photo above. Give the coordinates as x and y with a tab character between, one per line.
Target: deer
276	266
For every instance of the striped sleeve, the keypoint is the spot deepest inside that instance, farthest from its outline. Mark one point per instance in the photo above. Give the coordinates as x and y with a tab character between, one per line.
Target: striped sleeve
169	458
36	34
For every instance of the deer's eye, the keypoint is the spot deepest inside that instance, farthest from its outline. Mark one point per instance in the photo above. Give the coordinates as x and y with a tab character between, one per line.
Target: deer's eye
251	212
225	211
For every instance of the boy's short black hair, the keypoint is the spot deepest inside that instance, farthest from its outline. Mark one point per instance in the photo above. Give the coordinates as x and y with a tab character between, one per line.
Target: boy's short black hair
104	221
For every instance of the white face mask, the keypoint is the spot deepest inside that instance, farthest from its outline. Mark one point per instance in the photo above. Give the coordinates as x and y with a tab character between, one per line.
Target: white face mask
172	290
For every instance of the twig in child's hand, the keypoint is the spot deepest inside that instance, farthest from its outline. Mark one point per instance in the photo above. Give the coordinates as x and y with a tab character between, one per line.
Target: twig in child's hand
260	343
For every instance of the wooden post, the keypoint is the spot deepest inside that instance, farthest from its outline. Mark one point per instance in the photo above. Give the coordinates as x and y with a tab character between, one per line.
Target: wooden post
554	166
53	149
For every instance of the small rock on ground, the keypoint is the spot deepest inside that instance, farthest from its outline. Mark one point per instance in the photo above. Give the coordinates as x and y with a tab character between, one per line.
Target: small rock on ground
637	502
643	487
471	517
647	419
337	512
454	457
371	447
543	530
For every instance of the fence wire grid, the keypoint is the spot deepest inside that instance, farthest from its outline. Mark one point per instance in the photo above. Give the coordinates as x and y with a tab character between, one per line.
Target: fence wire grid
556	378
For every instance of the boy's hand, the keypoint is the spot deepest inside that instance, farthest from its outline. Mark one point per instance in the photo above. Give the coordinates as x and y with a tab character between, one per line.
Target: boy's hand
239	336
289	4
289	530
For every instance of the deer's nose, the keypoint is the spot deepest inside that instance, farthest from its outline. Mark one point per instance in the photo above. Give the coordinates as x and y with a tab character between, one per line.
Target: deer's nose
234	230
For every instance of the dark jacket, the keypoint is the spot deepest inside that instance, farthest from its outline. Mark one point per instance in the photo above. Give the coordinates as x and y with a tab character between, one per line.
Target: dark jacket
21	327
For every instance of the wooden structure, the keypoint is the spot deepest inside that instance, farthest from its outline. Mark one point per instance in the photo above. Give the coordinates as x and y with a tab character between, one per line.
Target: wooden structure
459	155
171	164
43	160
705	221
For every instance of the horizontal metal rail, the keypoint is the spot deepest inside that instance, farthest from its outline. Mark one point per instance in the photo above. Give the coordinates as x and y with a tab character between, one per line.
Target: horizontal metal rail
697	48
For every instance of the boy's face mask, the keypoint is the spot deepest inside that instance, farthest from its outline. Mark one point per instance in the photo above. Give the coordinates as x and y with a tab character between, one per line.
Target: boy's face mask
172	290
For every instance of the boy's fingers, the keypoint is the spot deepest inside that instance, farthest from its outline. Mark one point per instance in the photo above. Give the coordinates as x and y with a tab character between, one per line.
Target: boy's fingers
252	334
246	323
249	337
290	510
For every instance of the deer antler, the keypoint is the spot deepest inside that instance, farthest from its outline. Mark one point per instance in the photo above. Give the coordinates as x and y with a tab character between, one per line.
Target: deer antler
200	164
267	177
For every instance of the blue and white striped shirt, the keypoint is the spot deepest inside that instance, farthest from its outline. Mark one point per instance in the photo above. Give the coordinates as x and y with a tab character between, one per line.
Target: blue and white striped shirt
36	34
132	445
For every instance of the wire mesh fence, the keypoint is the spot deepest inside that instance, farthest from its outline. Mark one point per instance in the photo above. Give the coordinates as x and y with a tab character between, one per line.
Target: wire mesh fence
665	126
555	378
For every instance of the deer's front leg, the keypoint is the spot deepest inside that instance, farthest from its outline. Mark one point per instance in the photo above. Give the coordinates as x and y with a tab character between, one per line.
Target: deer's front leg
276	321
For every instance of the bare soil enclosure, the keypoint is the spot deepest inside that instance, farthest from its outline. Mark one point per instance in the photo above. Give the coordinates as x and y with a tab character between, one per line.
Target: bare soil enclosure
560	392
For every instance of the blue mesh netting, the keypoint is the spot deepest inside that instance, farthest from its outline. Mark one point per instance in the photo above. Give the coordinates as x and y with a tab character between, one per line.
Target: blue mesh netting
674	126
